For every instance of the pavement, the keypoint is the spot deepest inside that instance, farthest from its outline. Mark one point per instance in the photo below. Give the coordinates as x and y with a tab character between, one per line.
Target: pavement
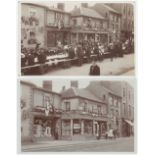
116	145
119	66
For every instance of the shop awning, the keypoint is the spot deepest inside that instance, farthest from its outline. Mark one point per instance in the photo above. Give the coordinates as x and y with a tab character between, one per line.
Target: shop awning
129	122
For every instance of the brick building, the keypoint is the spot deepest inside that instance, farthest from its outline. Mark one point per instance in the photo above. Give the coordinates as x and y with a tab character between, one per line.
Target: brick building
127	18
126	91
76	113
44	25
88	24
85	115
114	20
40	113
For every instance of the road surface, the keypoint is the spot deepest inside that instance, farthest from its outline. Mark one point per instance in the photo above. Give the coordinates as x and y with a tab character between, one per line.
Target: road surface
118	145
118	66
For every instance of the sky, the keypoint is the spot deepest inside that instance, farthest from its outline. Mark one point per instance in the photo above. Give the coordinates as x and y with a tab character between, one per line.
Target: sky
57	84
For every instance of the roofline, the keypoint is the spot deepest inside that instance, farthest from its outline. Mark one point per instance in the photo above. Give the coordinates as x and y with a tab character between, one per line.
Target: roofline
47	8
34	4
82	98
88	16
48	91
109	91
27	83
113	10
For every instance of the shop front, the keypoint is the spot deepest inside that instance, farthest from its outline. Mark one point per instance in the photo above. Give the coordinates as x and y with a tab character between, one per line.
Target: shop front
83	128
46	128
38	126
127	128
55	35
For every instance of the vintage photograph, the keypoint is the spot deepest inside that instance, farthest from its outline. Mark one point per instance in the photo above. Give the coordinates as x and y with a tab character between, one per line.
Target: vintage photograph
76	38
61	115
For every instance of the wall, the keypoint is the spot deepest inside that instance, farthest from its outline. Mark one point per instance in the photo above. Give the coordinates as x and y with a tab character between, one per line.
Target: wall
40	98
79	21
26	97
73	103
54	17
78	104
114	111
50	18
36	25
128	100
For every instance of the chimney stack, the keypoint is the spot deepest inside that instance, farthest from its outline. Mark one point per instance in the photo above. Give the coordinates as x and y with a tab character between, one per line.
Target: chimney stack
47	85
63	88
74	84
85	5
61	6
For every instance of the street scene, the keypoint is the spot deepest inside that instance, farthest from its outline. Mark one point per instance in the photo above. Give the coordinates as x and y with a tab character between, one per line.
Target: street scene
74	38
61	115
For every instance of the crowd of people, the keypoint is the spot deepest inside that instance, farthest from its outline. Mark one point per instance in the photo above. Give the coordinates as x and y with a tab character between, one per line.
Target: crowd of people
82	49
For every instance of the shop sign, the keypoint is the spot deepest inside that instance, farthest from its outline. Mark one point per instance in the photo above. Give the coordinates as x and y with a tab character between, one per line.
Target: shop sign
76	126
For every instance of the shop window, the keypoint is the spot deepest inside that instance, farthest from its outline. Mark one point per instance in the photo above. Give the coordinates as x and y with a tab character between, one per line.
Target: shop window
76	127
88	126
66	127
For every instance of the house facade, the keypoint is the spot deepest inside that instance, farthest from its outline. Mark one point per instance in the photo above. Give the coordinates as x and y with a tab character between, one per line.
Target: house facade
87	24
114	20
113	100
127	19
40	113
126	108
85	115
43	25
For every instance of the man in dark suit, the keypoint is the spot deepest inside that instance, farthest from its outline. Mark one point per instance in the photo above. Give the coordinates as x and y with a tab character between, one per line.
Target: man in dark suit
94	69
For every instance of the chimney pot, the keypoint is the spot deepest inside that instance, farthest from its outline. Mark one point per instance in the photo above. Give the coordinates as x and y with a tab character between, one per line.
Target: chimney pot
74	84
47	85
85	5
61	6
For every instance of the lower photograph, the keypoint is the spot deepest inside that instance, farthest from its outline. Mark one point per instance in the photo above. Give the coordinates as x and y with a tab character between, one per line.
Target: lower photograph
83	115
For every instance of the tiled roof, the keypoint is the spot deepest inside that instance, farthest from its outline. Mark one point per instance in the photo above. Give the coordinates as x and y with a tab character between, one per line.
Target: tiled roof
45	90
43	5
98	86
110	8
38	88
99	7
27	83
83	93
82	11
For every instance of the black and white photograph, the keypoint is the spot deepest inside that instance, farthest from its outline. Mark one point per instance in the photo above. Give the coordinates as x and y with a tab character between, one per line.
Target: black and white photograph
76	115
76	38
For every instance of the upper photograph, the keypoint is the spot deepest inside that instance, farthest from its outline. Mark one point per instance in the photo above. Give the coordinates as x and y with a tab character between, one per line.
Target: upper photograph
76	38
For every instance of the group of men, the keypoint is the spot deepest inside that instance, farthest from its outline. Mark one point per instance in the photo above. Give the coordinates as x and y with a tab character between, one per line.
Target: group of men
79	50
